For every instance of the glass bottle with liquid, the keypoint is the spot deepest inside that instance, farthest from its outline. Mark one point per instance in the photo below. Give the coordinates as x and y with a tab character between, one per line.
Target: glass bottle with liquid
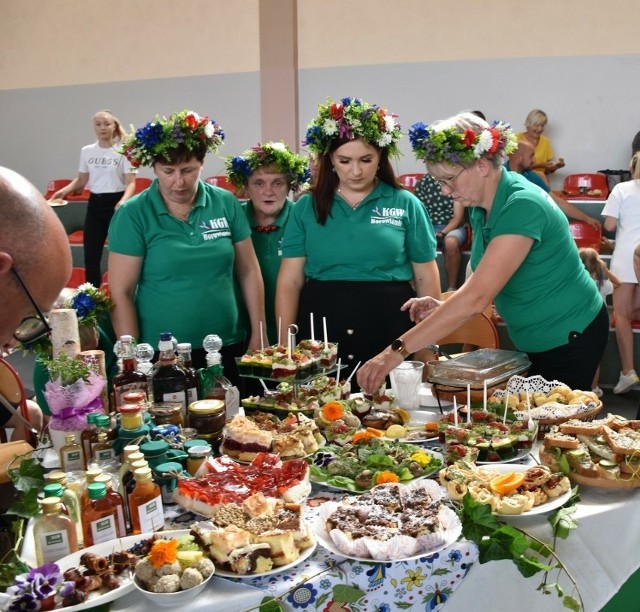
125	477
89	437
53	532
100	517
116	499
169	380
128	379
145	503
69	499
103	450
89	477
213	383
72	455
193	382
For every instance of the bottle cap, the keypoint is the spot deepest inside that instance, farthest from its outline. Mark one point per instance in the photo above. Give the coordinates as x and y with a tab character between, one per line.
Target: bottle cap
56	476
170	468
133	397
97	490
102	436
91	418
51	505
52	490
184	346
140	463
90	475
199	451
129	450
103	420
142	474
70	438
104	479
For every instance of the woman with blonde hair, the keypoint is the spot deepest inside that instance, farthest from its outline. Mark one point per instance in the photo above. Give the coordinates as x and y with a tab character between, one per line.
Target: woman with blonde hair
622	214
523	257
108	175
543	163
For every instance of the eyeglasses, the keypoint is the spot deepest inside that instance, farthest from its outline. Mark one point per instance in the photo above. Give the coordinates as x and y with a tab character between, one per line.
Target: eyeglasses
448	183
32	327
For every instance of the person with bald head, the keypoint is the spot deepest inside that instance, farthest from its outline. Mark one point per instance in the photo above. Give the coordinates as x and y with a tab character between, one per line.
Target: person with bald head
522	161
35	264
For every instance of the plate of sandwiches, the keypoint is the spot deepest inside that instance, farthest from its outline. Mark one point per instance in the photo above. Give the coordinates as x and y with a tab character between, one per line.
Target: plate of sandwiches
601	453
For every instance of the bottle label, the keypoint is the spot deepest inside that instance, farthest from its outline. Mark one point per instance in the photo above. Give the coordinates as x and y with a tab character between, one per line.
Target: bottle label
232	402
104	529
192	395
54	545
177	396
72	460
151	515
104	454
120	390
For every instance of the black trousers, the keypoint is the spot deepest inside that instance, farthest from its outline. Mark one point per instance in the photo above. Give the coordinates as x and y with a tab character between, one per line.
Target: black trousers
100	209
575	363
362	317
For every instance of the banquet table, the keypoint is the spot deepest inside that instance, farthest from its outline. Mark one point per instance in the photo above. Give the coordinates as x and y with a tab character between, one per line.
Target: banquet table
601	555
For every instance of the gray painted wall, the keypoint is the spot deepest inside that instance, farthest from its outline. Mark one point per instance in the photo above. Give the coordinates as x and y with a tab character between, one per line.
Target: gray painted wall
592	103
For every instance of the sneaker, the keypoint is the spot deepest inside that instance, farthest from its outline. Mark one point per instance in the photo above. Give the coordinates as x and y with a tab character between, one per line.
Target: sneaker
626	382
598	392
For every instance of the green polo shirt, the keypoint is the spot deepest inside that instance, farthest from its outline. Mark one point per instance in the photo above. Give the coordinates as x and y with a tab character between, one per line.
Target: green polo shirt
551	294
378	241
187	276
268	247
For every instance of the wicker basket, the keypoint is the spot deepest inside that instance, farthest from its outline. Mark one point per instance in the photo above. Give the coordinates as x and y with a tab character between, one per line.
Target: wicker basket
584	412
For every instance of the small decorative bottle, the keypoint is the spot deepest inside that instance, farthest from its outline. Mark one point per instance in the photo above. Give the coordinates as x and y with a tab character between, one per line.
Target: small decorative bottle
115	498
145	503
90	476
125	475
169	380
213	383
53	532
103	450
89	437
71	455
193	383
128	379
69	499
100	517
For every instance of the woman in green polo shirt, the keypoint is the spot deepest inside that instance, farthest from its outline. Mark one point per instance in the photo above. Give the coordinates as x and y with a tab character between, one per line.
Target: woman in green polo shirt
354	244
523	257
266	174
176	249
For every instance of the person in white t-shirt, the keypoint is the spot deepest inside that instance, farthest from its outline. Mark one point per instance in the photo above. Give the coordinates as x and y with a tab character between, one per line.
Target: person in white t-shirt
111	180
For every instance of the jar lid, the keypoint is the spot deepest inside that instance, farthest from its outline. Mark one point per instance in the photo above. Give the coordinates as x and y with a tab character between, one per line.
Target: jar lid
52	490
130	408
168	468
97	490
166	408
103	420
131	397
207	406
200	451
197	442
157	447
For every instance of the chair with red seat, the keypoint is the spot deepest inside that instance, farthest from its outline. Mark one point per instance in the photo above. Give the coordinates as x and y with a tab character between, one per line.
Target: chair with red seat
57	184
142	182
409	180
78	277
585	184
586	235
221	181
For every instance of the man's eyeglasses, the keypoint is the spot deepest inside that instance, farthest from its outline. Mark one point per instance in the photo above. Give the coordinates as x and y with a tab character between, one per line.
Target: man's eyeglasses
448	183
32	327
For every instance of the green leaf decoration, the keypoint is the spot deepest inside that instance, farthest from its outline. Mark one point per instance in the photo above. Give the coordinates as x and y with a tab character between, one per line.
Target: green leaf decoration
347	594
269	604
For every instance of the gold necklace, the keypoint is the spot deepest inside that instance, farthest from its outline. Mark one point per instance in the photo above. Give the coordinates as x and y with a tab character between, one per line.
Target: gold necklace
351	204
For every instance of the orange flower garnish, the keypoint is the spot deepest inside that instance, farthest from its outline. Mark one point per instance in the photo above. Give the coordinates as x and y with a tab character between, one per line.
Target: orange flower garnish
332	411
369	432
387	476
163	552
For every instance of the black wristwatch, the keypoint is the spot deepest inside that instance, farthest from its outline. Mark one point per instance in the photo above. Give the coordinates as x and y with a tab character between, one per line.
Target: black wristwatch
398	347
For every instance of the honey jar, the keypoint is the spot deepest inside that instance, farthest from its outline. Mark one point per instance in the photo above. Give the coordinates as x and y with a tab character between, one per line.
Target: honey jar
207	417
167	413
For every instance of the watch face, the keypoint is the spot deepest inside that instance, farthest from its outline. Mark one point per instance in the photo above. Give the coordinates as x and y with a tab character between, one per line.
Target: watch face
397	345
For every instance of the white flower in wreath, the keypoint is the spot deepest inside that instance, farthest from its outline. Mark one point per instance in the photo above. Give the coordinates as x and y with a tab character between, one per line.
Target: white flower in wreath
330	127
389	123
355	123
208	130
197	117
485	142
384	140
278	146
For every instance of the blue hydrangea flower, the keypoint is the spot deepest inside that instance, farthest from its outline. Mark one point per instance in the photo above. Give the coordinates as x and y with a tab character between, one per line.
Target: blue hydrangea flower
83	304
150	134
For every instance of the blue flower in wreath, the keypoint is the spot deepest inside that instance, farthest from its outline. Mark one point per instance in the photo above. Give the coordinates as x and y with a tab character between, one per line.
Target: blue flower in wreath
455	555
303	596
150	134
83	304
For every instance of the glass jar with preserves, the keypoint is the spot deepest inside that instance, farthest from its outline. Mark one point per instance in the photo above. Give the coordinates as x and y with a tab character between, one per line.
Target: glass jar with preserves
207	417
167	413
197	455
131	416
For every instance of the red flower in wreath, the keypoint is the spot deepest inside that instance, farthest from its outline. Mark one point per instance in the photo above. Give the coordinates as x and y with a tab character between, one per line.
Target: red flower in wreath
191	121
469	137
337	111
496	140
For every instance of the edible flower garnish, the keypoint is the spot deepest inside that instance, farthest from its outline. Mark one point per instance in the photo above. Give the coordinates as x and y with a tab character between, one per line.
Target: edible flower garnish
163	552
386	476
332	411
422	457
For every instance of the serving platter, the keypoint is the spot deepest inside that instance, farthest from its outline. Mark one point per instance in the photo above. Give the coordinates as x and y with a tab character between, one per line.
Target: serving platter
524	452
103	550
305	554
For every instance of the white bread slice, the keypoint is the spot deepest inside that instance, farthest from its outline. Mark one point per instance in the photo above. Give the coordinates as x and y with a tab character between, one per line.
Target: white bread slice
599	446
580	461
626	441
584	428
555	438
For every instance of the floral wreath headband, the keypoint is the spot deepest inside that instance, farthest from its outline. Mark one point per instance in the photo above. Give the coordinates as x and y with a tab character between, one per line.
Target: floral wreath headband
158	137
352	118
293	166
452	146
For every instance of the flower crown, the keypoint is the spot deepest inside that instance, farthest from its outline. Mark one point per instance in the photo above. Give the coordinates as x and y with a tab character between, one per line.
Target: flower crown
157	138
453	146
352	118
293	166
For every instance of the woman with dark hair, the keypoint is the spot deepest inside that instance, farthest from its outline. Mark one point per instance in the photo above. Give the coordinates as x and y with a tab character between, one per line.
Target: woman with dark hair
354	244
174	248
